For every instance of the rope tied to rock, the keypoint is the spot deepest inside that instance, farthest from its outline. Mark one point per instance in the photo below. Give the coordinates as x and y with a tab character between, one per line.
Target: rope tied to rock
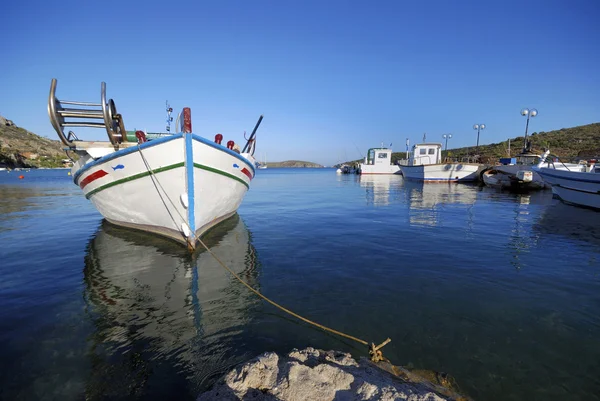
374	351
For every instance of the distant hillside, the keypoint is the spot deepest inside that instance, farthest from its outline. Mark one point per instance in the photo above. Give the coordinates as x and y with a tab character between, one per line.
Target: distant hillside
567	143
293	163
21	148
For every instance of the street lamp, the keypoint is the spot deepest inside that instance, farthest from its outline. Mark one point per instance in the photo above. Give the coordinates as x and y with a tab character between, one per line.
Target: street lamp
478	127
446	137
528	113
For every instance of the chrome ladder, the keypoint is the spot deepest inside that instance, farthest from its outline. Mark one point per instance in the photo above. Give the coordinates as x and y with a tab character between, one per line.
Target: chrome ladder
84	112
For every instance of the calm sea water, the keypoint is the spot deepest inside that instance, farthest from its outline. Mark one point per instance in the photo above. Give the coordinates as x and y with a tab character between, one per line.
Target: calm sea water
502	291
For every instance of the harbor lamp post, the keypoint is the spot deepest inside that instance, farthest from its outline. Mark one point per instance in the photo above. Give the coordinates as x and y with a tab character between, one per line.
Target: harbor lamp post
478	127
446	137
528	113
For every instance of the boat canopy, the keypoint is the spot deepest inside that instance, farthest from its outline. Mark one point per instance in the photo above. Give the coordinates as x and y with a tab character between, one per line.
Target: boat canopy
425	153
378	156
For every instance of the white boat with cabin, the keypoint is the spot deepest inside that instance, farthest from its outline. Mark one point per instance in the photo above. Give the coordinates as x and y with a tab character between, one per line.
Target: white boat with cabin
425	164
379	161
177	185
579	186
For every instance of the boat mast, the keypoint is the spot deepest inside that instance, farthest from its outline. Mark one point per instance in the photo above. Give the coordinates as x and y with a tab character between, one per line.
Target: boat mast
169	118
250	145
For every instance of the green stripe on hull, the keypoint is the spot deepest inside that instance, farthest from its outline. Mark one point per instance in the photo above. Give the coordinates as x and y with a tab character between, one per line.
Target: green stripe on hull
132	178
214	170
160	170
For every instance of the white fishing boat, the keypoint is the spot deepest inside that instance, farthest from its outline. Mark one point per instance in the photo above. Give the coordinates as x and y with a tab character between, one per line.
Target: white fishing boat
578	186
378	161
177	185
425	164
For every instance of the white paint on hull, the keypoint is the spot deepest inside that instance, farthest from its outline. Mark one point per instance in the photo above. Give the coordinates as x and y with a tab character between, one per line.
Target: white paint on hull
125	193
379	169
443	172
577	187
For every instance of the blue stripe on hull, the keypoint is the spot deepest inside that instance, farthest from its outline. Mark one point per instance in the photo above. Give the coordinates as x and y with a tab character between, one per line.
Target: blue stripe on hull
189	172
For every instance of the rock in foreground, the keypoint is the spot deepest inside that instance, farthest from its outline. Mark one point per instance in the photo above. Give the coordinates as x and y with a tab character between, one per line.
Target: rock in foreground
313	374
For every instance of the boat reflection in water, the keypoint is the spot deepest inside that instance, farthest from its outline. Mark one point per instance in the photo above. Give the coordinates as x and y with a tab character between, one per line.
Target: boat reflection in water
165	320
380	188
520	220
427	199
577	225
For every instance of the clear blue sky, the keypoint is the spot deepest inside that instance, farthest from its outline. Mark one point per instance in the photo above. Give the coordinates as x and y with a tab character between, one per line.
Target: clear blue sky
332	78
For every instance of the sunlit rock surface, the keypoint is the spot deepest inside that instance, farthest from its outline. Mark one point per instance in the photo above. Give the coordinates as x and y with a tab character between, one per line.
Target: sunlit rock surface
312	374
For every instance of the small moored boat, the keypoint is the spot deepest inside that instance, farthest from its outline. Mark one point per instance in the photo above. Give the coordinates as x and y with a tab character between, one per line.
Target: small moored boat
522	181
176	185
425	164
346	169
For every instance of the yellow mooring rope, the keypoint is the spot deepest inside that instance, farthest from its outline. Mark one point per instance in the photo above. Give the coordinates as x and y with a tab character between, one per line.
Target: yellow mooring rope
374	350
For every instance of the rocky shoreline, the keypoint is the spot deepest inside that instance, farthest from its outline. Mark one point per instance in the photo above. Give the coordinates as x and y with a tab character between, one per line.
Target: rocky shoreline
313	374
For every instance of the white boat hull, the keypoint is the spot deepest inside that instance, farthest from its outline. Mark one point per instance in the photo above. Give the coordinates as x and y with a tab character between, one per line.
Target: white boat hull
188	185
443	172
386	169
576	187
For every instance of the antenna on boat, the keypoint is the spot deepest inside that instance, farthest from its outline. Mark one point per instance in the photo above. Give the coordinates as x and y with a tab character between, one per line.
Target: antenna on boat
169	118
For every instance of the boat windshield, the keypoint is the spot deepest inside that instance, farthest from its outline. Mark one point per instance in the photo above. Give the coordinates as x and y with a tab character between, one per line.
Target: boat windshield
528	159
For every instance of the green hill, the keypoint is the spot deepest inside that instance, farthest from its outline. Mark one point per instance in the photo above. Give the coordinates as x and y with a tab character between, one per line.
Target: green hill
567	143
294	163
21	148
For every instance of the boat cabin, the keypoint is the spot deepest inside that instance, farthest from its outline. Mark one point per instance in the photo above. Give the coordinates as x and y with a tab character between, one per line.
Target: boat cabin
425	153
378	156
